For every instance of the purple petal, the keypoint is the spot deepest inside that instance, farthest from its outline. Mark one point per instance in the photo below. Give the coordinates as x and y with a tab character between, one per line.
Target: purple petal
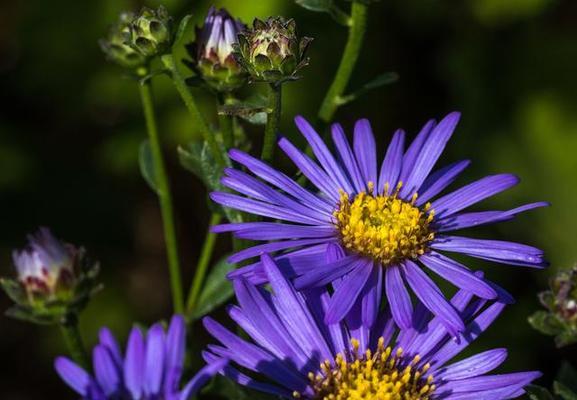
106	371
429	154
347	292
458	275
108	340
476	365
432	298
414	149
391	167
366	150
473	193
155	358
347	157
322	275
280	180
311	170
134	363
323	154
439	180
399	299
73	375
492	250
175	351
201	378
371	297
259	250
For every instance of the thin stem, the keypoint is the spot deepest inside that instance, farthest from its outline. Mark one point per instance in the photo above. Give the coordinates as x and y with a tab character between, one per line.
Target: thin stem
272	122
73	340
357	29
202	266
164	196
190	103
226	124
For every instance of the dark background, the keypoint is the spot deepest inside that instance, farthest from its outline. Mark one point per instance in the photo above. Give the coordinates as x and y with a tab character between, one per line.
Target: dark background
70	126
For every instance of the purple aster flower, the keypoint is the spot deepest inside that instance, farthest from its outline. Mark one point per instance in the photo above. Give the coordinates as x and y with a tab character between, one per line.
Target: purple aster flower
150	369
392	224
46	268
294	354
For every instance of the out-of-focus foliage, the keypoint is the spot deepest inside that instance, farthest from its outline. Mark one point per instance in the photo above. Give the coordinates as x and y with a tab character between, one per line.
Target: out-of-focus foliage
560	319
71	127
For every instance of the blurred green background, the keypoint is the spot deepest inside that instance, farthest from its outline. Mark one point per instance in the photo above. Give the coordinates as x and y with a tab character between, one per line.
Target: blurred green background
70	126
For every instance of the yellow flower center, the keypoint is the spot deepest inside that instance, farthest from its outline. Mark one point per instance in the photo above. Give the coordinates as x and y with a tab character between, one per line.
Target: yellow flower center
383	375
384	227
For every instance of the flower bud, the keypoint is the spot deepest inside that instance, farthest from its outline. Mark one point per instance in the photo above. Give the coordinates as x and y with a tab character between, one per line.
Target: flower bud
212	52
53	279
271	51
116	45
150	32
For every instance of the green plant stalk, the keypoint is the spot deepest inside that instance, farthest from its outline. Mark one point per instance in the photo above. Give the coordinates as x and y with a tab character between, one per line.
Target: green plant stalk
74	343
357	30
190	103
203	263
272	122
226	124
164	196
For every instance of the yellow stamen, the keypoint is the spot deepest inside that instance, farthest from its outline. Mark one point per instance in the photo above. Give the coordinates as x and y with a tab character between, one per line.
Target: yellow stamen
379	375
384	227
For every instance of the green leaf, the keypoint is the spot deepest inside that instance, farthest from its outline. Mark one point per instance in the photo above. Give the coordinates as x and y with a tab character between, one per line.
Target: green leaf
196	158
316	5
217	289
538	393
384	79
225	388
254	111
28	315
182	28
14	290
545	323
563	391
567	376
146	164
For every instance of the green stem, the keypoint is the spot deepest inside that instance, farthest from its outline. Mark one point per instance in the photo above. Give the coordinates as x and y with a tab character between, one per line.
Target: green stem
203	262
225	123
272	122
164	197
357	29
190	103
73	340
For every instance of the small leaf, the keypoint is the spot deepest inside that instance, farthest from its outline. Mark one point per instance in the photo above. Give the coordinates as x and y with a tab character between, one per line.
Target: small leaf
28	315
567	375
14	290
563	391
538	393
384	79
182	28
147	166
545	323
316	5
253	110
216	291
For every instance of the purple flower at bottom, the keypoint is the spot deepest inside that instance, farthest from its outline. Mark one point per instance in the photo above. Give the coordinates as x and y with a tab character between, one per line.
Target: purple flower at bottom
151	369
294	354
393	223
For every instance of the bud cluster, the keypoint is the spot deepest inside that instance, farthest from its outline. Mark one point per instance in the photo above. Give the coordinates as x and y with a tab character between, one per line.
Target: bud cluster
53	279
271	51
136	38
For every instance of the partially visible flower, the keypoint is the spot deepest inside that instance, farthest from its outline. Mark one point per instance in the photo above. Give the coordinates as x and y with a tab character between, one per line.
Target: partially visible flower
116	45
150	369
271	51
150	32
211	52
560	319
53	279
392	224
292	353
